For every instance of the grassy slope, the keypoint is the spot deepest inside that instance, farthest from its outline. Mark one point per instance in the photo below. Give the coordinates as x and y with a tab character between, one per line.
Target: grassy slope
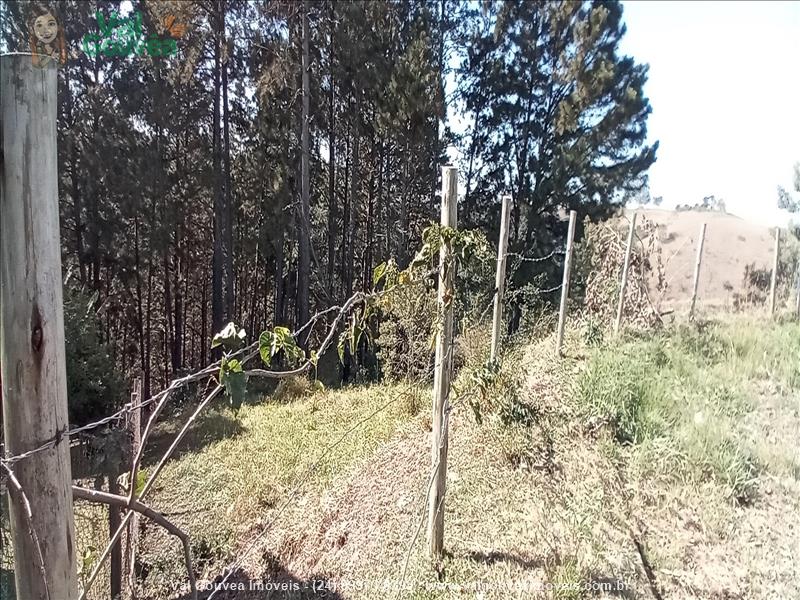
237	471
667	461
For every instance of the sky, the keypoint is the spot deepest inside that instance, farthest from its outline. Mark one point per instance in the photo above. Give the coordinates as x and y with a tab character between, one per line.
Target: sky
724	85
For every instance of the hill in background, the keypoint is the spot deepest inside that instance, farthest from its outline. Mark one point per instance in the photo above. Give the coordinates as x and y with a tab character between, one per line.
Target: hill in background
731	244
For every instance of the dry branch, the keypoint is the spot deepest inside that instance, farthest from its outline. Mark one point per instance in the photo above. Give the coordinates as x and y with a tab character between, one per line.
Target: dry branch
23	500
155	516
250	352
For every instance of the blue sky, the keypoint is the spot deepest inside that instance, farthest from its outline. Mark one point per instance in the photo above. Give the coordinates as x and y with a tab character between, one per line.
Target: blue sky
725	90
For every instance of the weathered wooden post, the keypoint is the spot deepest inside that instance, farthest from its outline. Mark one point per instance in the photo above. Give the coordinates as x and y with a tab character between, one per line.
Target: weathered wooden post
32	331
697	264
443	367
500	278
562	310
135	429
624	283
773	287
797	294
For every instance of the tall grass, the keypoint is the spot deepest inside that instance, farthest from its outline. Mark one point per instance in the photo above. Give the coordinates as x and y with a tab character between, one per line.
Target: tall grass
680	396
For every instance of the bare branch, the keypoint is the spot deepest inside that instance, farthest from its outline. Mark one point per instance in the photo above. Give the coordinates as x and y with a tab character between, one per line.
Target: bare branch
134	505
151	480
22	498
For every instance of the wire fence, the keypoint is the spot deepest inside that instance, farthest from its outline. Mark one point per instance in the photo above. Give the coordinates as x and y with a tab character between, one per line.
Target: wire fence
97	532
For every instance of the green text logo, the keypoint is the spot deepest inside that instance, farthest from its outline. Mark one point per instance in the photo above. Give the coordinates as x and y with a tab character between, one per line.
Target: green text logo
124	36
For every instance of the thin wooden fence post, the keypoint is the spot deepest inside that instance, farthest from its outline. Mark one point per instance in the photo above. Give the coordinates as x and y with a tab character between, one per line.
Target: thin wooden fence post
443	368
135	433
114	519
697	264
624	283
500	278
797	294
32	332
562	309
773	288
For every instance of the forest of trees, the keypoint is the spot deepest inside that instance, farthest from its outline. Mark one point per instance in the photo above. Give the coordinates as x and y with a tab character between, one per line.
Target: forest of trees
261	172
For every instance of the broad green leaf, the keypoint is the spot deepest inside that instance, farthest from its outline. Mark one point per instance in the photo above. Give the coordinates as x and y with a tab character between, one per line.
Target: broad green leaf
231	337
378	273
265	346
235	388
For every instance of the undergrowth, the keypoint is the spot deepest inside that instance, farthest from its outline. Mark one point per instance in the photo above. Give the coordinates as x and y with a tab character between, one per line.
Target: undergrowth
679	396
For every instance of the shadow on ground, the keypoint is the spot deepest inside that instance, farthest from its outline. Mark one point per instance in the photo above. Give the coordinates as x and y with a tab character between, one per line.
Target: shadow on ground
494	557
209	428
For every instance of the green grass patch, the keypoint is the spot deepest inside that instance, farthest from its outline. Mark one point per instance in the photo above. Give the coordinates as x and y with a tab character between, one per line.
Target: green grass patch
235	469
680	396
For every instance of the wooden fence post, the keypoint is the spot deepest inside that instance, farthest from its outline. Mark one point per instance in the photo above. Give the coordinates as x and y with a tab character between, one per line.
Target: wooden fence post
697	264
624	283
797	294
562	310
114	519
135	431
773	287
32	331
500	278
443	368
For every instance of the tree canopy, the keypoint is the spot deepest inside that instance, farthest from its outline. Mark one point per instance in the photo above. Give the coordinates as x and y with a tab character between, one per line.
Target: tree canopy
264	169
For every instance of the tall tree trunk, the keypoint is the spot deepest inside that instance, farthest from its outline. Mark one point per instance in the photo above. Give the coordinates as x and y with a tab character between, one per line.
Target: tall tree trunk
402	250
304	253
354	192
278	310
168	338
366	278
140	305
346	216
177	325
205	339
218	259
331	159
229	209
148	340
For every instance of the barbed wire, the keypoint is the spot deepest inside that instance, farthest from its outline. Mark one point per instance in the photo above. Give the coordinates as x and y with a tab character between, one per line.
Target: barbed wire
249	352
130	407
535	259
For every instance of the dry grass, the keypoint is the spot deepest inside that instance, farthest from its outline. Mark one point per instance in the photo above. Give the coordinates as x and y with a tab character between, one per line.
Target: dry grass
664	464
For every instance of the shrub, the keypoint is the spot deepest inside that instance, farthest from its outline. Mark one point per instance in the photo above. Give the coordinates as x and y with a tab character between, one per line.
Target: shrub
598	266
405	338
292	388
757	281
94	388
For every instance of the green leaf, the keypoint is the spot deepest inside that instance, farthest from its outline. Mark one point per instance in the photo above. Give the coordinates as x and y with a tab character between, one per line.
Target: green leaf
231	337
283	333
141	480
236	388
378	274
280	338
265	346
